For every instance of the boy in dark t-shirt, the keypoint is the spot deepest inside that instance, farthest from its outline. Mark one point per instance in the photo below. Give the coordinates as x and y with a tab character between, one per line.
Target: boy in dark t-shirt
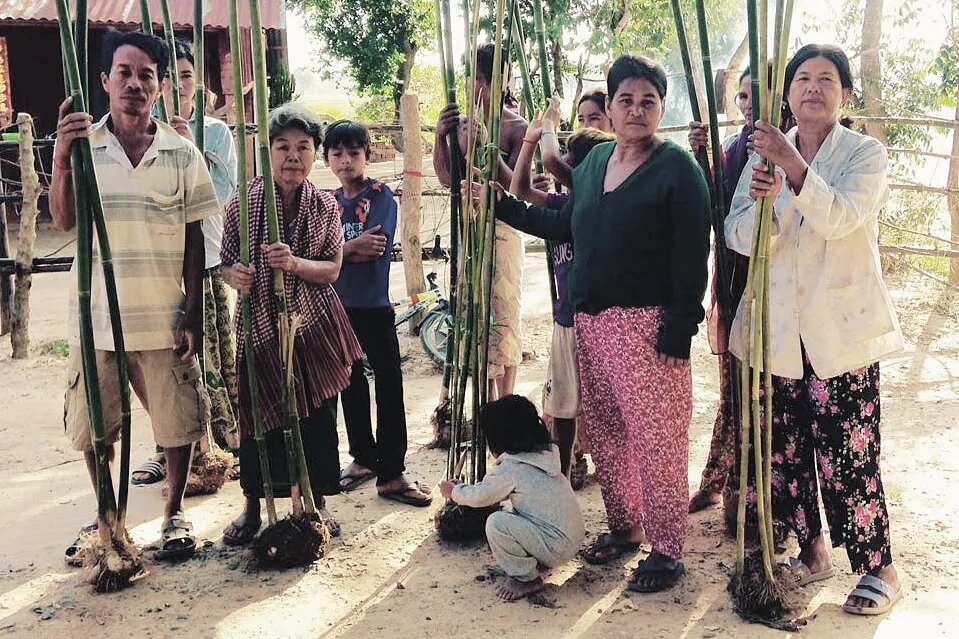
368	213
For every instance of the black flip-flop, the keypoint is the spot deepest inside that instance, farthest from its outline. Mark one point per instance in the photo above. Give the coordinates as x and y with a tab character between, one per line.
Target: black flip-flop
616	545
155	471
403	496
72	553
178	541
660	578
355	480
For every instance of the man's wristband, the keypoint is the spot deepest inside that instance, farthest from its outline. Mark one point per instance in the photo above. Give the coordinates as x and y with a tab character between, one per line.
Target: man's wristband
529	141
66	168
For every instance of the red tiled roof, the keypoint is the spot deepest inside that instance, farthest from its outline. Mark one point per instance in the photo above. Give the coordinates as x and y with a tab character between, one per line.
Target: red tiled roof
127	12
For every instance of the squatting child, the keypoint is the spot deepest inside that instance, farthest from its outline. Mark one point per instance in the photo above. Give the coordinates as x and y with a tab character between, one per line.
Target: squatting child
545	525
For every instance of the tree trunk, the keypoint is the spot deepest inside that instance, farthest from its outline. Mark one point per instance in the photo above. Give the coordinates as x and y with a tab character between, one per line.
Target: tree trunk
871	68
6	281
20	329
953	199
557	61
733	71
411	212
402	84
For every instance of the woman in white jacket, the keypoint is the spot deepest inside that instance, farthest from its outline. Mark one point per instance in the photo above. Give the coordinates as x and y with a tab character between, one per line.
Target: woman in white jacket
831	321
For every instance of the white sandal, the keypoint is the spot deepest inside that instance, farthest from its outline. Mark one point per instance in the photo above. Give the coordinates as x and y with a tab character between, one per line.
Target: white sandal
876	590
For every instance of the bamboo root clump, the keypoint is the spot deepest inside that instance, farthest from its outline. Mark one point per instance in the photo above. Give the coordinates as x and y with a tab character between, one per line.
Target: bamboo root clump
112	559
472	324
761	590
300	538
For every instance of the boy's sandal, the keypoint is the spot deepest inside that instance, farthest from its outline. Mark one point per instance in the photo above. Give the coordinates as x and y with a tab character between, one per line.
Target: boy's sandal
178	541
608	547
154	470
876	590
412	494
646	579
72	553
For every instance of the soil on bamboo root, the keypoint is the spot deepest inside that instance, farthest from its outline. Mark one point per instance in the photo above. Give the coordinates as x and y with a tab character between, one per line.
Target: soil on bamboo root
454	522
113	565
298	540
759	601
442	422
209	472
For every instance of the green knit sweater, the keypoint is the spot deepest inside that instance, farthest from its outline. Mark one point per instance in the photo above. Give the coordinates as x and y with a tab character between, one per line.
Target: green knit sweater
644	243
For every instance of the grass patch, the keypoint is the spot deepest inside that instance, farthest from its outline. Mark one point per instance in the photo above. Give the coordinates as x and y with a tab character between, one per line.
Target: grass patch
58	348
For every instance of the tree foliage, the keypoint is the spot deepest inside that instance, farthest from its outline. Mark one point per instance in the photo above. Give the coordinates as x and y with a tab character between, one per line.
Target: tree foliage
373	37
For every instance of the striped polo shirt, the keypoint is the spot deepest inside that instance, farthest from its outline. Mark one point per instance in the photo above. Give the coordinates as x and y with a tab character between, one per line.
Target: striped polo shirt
146	208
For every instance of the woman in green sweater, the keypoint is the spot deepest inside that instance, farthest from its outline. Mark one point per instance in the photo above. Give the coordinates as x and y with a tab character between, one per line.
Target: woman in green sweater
638	219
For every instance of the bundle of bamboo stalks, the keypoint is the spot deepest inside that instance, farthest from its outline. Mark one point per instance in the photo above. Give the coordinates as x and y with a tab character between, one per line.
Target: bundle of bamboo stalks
760	589
472	324
301	537
113	560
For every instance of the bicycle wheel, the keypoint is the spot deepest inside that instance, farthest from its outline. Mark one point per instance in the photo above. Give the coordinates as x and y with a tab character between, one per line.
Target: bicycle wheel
435	330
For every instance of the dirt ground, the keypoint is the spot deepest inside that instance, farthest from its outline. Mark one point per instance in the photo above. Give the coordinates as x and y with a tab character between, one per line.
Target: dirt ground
388	575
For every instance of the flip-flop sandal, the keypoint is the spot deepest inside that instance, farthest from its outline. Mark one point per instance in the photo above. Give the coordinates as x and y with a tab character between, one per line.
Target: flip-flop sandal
608	547
876	590
807	576
178	541
244	534
657	579
72	553
155	471
354	480
409	494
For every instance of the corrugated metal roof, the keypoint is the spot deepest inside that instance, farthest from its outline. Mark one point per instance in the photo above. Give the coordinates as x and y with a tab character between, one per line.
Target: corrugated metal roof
127	12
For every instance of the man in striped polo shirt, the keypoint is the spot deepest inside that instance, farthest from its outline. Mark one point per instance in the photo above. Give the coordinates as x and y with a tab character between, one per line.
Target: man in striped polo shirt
156	190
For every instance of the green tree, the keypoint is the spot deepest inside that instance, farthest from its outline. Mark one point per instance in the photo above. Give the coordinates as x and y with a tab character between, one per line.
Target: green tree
377	39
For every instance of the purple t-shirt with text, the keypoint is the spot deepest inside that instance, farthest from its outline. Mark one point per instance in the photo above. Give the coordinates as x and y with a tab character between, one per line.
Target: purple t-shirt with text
562	256
366	284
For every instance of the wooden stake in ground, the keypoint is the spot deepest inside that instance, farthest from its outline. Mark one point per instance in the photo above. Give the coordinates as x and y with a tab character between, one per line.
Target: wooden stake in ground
411	201
20	328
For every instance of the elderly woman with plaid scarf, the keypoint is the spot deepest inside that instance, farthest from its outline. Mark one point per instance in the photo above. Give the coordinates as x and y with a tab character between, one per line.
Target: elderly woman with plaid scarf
309	253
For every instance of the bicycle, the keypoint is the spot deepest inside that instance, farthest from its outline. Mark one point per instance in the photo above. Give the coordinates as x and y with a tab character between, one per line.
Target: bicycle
436	324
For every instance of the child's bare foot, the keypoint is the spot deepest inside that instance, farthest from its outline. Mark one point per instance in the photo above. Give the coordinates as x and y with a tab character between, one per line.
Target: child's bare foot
513	589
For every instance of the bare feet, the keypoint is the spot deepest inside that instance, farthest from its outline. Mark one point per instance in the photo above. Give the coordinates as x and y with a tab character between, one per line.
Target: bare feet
702	499
512	589
244	528
887	574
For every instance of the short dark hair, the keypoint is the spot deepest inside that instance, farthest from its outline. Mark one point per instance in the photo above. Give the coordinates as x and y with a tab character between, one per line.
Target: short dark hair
636	66
151	45
484	61
598	97
348	134
582	142
296	116
512	425
184	50
829	51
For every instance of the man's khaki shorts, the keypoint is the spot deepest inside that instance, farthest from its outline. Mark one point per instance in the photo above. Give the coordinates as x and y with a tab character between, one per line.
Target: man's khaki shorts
170	390
561	397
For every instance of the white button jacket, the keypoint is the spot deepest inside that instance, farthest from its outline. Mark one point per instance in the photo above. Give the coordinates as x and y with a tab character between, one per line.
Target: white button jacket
825	290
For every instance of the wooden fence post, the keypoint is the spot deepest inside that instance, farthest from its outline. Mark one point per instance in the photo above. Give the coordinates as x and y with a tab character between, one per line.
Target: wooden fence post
6	281
20	329
411	212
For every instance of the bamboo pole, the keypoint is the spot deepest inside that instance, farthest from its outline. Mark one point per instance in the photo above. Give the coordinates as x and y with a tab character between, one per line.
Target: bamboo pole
540	26
199	68
256	417
701	157
146	24
299	476
171	44
81	38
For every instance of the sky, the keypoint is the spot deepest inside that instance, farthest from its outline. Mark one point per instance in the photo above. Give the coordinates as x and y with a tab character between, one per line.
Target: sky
811	24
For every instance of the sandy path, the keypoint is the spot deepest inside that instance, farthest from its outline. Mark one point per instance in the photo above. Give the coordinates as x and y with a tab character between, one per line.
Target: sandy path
390	576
